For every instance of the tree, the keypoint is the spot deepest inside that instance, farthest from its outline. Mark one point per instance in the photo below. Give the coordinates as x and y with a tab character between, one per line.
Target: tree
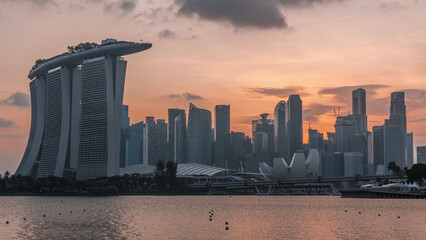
396	170
417	173
171	173
159	174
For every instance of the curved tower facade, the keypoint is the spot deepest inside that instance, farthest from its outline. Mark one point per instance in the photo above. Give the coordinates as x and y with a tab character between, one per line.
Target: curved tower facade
76	101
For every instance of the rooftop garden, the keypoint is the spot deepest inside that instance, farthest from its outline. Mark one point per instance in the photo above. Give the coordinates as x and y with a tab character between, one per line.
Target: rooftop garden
71	49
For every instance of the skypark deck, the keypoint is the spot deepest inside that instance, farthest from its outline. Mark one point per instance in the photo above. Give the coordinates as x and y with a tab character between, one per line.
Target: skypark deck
119	48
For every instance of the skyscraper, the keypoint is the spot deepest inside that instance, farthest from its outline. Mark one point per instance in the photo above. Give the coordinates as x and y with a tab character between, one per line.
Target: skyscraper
316	140
294	125
125	120
359	102
125	123
409	150
398	109
161	140
134	144
237	151
345	129
359	110
150	144
173	114
76	113
396	147
179	141
263	134
222	135
394	150
421	154
378	148
280	128
199	135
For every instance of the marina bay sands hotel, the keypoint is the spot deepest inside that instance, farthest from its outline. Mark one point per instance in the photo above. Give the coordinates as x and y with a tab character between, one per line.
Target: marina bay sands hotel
76	102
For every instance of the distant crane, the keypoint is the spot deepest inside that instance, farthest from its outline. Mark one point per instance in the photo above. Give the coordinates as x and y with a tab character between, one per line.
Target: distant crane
338	112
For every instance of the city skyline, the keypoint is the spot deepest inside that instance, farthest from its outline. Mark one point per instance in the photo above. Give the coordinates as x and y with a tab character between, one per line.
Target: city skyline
242	78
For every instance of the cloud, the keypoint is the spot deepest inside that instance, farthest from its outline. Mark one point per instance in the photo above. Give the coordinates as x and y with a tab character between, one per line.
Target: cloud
344	94
277	92
167	34
415	98
18	99
5	123
262	14
122	6
417	120
185	96
306	3
389	6
11	136
244	120
312	111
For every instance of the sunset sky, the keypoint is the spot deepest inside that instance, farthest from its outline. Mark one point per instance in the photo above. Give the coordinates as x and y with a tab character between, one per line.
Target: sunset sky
247	53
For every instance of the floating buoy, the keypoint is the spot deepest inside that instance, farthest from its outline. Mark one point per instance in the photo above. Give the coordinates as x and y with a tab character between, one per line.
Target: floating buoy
226	228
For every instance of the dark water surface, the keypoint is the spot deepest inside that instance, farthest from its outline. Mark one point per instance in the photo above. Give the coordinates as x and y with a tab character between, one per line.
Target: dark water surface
187	217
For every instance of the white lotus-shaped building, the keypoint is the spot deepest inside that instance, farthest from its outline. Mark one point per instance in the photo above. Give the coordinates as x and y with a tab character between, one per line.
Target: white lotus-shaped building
299	167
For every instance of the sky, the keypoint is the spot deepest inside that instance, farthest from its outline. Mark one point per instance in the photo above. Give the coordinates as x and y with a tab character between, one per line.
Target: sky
247	53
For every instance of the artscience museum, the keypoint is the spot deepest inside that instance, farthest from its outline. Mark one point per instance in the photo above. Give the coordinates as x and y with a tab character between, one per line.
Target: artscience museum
299	167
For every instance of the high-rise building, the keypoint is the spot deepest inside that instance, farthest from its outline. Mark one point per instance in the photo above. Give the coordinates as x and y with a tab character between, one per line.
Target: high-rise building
359	110
134	144
199	135
150	143
421	154
280	127
345	129
359	102
181	151
378	148
125	123
161	139
409	150
394	150
100	121
316	139
125	120
263	134
248	146
77	113
398	109
294	125
222	135
237	151
353	164
398	116
179	141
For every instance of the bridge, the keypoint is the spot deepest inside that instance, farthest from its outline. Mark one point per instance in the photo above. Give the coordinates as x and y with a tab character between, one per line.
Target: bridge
307	186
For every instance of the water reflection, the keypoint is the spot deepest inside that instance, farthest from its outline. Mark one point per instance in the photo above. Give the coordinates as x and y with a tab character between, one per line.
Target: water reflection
187	217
